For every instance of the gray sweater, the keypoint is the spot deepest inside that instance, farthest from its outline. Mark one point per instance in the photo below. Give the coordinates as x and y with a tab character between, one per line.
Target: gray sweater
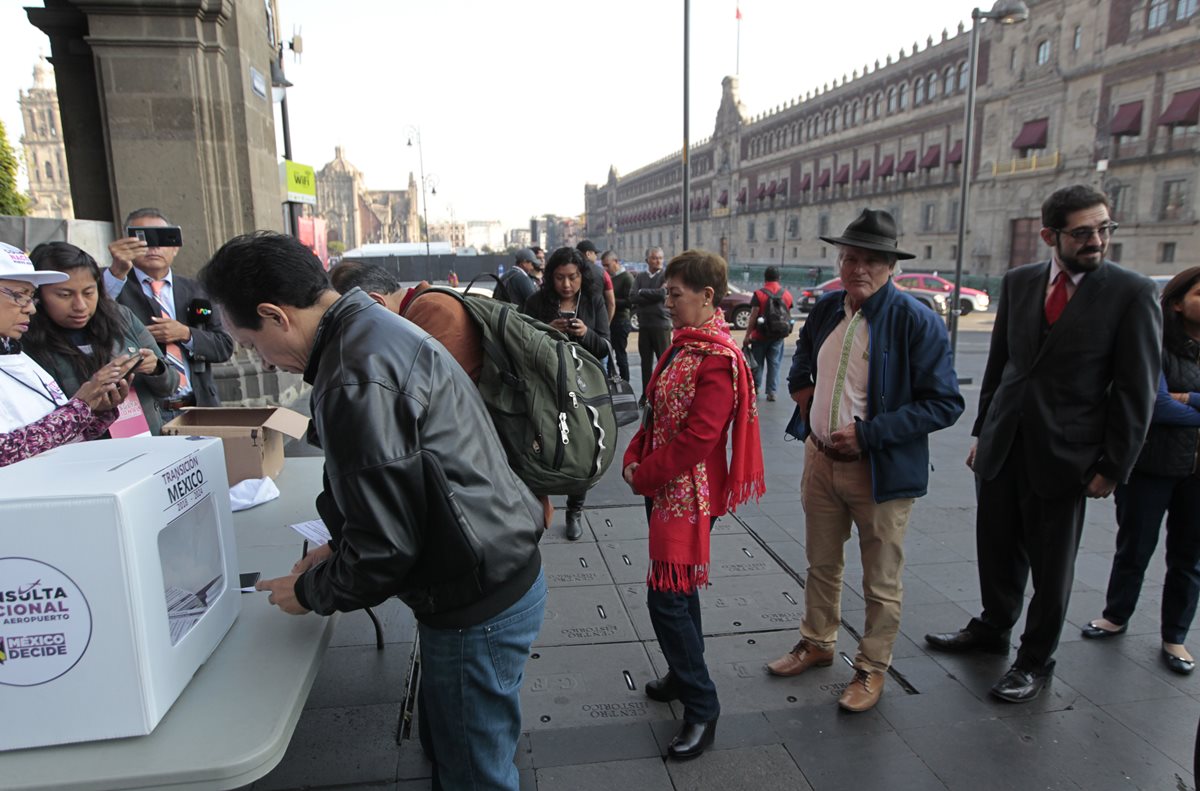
649	300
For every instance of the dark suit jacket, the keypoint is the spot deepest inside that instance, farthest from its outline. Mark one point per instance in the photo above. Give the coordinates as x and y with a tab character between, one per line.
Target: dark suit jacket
210	343
1082	398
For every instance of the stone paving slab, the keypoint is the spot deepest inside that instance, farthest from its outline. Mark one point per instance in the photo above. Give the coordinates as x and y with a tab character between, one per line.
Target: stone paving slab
339	746
617	524
593	744
762	767
584	615
573	686
647	774
881	761
577	563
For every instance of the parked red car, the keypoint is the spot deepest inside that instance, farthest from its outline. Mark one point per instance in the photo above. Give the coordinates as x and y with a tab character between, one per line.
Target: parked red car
934	300
970	298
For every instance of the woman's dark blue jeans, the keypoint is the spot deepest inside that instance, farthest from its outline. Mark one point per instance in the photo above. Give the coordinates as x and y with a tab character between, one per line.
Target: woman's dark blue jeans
676	620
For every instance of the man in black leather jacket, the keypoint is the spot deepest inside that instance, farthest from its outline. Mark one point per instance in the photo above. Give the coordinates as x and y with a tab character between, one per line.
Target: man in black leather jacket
417	494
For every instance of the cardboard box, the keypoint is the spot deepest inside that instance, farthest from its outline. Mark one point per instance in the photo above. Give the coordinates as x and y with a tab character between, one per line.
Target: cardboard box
253	436
118	579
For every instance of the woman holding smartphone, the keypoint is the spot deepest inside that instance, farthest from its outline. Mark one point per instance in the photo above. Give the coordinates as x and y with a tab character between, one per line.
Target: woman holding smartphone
35	414
80	329
570	301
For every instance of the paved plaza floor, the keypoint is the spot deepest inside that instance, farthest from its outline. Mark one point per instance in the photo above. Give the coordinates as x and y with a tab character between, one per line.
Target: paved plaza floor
1113	718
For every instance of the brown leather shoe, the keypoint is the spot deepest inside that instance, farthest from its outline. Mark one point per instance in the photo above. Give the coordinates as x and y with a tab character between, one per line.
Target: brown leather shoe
802	656
863	692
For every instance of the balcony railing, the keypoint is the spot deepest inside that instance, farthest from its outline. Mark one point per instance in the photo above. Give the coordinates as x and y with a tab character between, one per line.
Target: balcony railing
1027	164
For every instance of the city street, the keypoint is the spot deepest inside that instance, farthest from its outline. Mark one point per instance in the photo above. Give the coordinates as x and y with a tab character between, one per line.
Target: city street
1113	718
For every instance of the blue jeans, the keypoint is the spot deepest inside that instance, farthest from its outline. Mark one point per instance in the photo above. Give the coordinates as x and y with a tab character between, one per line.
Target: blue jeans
772	353
676	620
470	704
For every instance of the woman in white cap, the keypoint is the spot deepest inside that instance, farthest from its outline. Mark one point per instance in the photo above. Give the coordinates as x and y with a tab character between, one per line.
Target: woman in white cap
35	414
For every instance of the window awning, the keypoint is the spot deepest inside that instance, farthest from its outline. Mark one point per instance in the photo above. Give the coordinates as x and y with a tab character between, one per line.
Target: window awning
1033	135
864	171
932	158
741	195
762	191
724	198
823	179
955	155
805	182
843	175
908	162
1127	120
783	187
886	167
1184	109
772	188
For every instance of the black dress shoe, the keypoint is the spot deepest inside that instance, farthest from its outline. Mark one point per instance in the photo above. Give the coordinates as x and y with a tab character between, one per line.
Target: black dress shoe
1177	664
1020	686
664	690
1093	632
965	641
693	738
574	524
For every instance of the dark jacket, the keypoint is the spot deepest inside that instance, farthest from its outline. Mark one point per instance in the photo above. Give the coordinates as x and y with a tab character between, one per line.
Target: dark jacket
149	387
1079	394
418	493
1171	448
622	289
649	298
912	389
210	343
543	306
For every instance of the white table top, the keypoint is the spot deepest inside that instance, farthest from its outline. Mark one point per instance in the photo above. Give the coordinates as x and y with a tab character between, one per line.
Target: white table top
233	722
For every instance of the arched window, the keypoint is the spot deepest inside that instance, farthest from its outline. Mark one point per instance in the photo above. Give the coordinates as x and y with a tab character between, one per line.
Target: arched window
949	81
962	76
878	102
933	85
854	114
1043	52
825	124
919	91
891	105
49	172
902	97
835	119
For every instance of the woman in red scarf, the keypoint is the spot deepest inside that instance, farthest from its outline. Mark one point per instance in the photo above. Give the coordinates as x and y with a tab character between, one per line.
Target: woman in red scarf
677	461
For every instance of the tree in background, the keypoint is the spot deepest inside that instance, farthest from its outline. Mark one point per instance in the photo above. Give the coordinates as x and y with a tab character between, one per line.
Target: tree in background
12	202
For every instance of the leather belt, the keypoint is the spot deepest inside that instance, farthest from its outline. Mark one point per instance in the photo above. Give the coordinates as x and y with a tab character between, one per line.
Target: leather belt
176	404
833	454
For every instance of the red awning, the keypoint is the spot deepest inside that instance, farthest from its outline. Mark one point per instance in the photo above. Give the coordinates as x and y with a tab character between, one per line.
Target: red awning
805	182
1127	120
823	179
886	167
724	198
1184	109
932	158
772	188
955	155
1033	135
843	175
762	191
742	195
908	162
864	170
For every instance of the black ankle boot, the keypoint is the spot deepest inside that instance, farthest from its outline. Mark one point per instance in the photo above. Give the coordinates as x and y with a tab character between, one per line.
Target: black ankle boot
692	740
664	690
574	524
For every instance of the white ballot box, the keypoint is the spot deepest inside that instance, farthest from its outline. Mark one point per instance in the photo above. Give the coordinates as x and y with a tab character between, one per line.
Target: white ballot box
118	578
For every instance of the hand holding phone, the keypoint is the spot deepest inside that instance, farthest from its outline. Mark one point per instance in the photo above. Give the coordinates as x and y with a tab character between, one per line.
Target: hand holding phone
157	235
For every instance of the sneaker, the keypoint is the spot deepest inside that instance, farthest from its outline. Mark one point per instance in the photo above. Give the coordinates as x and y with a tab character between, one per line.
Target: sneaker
770	396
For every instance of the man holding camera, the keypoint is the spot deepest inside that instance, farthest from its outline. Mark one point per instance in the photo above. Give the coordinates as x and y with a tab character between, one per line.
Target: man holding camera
174	308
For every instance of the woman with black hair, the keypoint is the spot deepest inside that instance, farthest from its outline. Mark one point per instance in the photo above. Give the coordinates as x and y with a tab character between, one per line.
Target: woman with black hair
80	329
570	300
1165	480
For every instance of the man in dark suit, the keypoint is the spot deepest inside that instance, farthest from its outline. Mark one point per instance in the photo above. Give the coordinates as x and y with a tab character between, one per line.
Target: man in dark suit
174	308
1064	407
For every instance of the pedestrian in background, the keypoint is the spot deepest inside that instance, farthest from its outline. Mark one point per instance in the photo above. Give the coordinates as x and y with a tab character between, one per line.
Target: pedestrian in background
770	324
654	323
620	326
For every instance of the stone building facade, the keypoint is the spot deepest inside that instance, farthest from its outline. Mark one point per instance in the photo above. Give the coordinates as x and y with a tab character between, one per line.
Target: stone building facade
355	215
45	154
1103	92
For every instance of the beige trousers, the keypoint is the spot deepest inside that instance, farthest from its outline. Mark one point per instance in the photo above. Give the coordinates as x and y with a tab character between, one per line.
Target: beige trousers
834	494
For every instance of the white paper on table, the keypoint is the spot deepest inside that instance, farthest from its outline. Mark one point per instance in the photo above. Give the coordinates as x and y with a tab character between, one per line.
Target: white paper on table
315	531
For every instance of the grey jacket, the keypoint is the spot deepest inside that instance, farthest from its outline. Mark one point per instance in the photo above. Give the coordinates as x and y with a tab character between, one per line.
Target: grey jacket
649	300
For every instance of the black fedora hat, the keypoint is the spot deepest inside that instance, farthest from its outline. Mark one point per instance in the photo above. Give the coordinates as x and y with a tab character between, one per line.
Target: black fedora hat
873	230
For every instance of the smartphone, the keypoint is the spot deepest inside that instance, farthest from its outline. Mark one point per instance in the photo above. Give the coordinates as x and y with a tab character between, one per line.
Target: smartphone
128	366
248	579
158	235
569	315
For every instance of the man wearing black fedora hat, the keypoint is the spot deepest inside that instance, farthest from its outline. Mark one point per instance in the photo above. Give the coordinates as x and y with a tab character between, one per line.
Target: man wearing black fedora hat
871	378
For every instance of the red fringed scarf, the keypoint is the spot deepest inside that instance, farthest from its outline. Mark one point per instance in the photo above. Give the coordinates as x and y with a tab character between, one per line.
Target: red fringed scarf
680	520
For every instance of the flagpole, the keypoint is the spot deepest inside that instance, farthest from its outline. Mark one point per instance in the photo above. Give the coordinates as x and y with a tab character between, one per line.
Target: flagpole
738	63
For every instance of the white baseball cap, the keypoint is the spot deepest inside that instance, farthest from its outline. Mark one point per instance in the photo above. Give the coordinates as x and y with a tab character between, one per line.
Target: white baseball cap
15	265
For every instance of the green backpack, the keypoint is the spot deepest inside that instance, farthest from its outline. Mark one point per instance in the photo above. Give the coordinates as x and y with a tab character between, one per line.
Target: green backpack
548	398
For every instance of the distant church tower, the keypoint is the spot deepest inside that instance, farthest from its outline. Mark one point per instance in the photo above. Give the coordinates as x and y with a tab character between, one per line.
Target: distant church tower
45	154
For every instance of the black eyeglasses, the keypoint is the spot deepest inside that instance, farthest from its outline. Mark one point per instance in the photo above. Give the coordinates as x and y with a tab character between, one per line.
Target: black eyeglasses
1083	234
22	300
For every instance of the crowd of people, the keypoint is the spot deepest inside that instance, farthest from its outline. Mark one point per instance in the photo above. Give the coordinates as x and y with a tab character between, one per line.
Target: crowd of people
422	503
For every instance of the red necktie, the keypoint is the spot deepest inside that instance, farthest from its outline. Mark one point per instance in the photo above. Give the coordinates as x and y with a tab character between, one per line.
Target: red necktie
174	350
1057	301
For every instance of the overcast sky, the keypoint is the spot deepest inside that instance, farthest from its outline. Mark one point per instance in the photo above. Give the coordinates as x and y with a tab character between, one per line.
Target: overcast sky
521	103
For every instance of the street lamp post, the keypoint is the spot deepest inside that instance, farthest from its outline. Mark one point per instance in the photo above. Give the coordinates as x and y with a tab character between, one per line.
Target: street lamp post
1006	12
280	82
415	132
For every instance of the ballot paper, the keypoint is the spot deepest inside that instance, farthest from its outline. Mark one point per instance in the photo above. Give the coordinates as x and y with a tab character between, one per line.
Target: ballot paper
186	608
315	531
